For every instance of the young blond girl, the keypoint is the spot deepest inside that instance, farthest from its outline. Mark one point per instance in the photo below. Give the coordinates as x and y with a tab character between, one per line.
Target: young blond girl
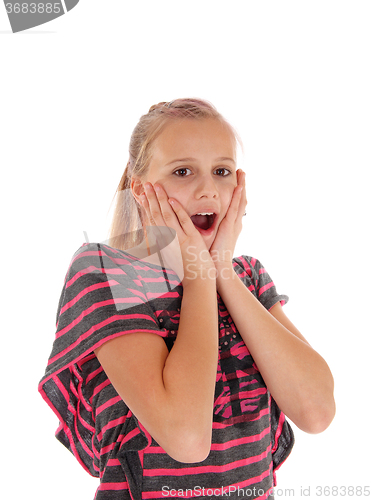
174	380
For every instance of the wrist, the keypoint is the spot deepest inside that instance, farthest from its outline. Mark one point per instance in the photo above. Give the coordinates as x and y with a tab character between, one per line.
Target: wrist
223	261
195	277
225	272
223	266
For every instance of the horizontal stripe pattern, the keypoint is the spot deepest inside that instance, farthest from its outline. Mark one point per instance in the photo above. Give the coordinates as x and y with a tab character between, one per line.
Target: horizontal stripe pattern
108	293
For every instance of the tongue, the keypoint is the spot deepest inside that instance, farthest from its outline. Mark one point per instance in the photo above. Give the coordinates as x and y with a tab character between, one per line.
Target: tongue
201	221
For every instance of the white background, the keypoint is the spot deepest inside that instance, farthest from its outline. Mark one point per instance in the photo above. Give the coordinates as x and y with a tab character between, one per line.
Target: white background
295	80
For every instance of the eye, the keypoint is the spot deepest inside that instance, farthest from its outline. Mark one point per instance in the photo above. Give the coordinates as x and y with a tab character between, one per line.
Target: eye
181	170
225	169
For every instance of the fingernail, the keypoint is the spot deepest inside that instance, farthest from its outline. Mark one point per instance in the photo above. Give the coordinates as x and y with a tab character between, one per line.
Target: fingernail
157	188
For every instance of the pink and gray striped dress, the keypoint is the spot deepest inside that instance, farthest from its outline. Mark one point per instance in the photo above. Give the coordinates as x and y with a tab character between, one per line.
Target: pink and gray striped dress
107	293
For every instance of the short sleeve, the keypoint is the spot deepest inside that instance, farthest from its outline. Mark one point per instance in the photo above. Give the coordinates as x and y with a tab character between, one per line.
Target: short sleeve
103	297
106	294
258	281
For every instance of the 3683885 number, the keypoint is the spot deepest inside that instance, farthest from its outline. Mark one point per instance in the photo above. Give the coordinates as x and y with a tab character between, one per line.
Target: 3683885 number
33	8
343	491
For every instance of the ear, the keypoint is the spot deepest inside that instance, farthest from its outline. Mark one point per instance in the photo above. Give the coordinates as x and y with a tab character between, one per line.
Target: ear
136	187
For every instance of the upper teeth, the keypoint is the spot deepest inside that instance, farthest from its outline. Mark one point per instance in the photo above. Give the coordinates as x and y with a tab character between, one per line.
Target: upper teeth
205	213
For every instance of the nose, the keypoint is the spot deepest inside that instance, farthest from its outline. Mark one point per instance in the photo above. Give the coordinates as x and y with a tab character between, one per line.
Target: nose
206	186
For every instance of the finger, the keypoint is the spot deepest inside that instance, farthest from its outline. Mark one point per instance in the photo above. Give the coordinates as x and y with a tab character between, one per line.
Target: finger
184	219
154	209
235	206
240	177
173	210
166	210
145	204
243	198
156	227
150	223
163	214
167	232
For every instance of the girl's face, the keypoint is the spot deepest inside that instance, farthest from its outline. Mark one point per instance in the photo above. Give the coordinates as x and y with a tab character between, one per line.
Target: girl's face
195	162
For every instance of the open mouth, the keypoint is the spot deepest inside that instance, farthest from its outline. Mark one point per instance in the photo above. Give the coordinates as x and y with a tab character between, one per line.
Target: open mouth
203	221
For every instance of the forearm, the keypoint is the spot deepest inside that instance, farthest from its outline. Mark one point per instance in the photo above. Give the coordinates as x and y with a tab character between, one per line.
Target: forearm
189	373
297	376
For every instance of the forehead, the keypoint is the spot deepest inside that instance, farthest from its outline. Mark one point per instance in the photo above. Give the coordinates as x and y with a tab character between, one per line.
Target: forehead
189	137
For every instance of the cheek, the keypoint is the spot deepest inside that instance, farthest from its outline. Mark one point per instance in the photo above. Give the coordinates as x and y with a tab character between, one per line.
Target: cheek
177	192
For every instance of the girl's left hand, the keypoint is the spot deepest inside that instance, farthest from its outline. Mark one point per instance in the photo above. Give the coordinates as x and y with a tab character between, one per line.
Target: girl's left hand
223	246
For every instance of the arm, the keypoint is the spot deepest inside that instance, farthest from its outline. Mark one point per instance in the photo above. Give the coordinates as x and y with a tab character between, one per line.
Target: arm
172	394
297	376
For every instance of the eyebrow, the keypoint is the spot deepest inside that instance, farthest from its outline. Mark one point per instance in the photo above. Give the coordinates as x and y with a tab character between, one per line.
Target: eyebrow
222	158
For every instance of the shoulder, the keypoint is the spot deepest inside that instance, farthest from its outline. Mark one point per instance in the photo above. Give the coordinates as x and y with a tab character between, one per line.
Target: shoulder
96	272
97	262
253	273
248	265
106	272
100	253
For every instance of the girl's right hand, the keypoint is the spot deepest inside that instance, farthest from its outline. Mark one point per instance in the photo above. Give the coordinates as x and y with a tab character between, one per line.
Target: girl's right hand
167	212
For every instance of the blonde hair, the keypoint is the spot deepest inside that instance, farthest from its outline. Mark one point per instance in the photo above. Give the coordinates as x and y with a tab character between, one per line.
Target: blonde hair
128	217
